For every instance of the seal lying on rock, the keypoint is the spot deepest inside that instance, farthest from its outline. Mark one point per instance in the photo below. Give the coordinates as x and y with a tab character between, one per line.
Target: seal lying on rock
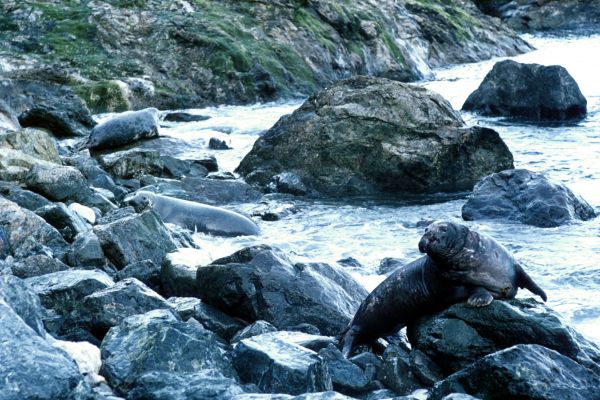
460	264
195	216
123	129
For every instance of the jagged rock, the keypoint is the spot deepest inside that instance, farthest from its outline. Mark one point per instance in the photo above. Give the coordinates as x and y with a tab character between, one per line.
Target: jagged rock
22	225
275	211
23	301
124	128
256	328
58	119
32	368
86	213
330	395
523	371
145	271
150	242
67	222
260	282
424	368
396	372
181	116
218	144
288	182
460	335
372	135
108	307
8	120
115	215
133	163
389	264
206	384
184	306
36	265
345	376
86	252
159	342
527	197
216	321
33	142
24	198
278	366
531	91
57	183
178	278
96	176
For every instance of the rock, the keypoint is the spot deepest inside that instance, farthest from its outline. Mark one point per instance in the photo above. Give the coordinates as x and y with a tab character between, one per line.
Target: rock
58	119
24	198
372	135
181	116
531	91
345	376
145	271
423	367
218	144
260	282
124	128
115	215
133	163
32	368
67	222
278	366
182	237
523	196
205	384
158	342
523	371
459	396
33	142
23	301
288	182
36	265
178	278
108	307
58	183
460	335
8	120
86	252
216	321
21	224
14	164
96	176
389	264
254	329
544	15
86	213
184	306
329	395
150	242
396	372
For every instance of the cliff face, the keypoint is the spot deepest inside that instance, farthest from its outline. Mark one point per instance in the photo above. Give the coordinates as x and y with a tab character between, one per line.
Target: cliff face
120	54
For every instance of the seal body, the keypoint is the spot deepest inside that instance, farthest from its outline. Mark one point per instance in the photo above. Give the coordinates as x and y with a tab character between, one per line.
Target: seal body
476	261
412	291
195	216
123	129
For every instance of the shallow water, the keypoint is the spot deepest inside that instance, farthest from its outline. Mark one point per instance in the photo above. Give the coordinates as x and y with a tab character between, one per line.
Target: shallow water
562	260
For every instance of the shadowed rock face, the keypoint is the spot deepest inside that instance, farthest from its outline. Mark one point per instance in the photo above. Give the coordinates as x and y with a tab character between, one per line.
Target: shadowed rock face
372	135
529	91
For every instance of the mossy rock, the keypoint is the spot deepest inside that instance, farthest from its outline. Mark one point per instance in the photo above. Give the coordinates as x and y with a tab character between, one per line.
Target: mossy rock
105	96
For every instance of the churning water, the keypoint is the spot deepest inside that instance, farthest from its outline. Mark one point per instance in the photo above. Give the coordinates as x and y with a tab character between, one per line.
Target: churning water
563	260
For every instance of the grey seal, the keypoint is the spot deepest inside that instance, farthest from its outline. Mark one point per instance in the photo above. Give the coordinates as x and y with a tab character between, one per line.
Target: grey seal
195	216
477	261
123	129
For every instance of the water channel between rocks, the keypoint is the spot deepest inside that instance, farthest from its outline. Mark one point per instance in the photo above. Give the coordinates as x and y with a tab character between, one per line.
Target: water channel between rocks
564	260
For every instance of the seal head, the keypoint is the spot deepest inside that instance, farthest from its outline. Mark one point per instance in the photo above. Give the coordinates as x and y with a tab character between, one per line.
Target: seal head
141	201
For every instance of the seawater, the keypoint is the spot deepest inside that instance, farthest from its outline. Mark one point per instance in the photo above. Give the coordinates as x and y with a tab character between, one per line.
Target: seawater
563	260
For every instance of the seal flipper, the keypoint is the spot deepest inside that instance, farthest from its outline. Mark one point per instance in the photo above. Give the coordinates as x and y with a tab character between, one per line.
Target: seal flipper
524	281
480	297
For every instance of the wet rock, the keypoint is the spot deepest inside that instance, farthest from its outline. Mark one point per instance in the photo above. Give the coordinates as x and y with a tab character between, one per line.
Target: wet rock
124	128
67	222
531	91
381	394
150	242
178	278
460	335
396	372
288	182
221	175
108	307
304	328
459	396
218	144
145	271
31	367
256	328
58	183
523	371
274	211
181	116
159	342
424	368
206	384
23	301
58	119
260	282
216	321
389	264
335	145
36	265
209	162
182	236
329	395
524	196
22	225
86	252
24	198
309	341
278	366
350	262
345	376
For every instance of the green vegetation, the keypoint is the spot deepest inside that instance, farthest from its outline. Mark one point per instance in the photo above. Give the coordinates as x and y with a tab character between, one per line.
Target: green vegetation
105	96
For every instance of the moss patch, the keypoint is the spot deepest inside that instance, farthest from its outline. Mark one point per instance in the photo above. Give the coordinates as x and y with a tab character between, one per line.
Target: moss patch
105	96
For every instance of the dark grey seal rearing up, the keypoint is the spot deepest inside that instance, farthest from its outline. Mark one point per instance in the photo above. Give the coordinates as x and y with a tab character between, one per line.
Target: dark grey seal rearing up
460	265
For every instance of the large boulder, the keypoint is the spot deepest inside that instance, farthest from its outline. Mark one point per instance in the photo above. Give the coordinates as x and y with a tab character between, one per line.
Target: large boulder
68	222
33	142
23	301
523	372
279	366
371	135
150	242
261	282
530	91
124	128
159	342
527	197
460	335
61	121
58	183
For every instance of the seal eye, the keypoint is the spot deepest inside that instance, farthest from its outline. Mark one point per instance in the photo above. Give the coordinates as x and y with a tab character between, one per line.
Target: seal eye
444	228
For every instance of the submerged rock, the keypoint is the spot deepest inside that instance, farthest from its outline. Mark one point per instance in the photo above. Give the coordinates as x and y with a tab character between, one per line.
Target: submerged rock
371	135
527	197
530	91
260	282
526	372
